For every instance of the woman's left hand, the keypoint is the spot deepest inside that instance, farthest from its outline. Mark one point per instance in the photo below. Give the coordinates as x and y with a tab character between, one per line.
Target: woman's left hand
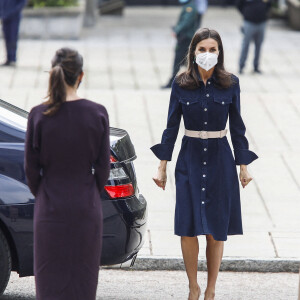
245	177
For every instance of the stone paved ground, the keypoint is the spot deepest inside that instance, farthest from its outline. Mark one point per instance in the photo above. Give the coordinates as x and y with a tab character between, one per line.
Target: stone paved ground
126	61
167	285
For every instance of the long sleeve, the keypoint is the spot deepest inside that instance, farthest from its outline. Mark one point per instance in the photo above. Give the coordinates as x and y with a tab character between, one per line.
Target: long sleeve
165	149
243	156
102	164
32	155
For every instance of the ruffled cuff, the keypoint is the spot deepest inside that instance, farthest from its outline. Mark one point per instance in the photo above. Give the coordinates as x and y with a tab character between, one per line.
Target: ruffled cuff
244	156
163	151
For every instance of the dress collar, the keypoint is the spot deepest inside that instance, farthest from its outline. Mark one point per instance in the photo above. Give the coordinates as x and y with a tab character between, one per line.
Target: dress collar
212	78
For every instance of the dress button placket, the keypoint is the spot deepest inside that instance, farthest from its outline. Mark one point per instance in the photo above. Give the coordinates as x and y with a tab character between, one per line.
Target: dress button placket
205	148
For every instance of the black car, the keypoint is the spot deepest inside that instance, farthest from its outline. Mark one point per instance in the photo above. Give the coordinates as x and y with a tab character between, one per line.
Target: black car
124	208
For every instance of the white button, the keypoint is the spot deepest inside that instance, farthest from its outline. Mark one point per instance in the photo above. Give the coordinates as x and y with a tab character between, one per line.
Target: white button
204	162
205	123
207	95
223	102
205	109
205	149
203	202
204	175
208	82
203	189
187	103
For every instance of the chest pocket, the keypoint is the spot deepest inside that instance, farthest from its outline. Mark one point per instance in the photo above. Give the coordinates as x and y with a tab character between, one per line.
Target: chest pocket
186	102
223	100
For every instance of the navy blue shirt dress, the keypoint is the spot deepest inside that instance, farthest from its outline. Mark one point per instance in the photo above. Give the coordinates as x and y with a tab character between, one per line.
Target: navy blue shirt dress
207	184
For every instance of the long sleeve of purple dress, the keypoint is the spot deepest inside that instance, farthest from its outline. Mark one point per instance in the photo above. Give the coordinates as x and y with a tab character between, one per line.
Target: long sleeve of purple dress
32	152
102	164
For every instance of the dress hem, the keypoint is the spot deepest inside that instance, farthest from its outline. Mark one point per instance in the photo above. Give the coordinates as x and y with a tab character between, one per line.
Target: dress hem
215	238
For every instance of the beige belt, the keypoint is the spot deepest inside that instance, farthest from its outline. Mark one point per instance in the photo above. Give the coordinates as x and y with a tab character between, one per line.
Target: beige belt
206	134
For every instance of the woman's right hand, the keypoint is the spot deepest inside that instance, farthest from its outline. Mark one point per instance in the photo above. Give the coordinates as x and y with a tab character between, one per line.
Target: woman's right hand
161	177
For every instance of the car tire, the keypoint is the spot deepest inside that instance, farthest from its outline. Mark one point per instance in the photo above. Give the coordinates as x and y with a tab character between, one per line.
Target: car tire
5	263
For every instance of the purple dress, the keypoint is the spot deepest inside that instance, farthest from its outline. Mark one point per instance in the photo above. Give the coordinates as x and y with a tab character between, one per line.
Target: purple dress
60	153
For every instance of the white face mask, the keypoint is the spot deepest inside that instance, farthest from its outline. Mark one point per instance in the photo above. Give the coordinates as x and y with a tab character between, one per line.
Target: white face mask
207	60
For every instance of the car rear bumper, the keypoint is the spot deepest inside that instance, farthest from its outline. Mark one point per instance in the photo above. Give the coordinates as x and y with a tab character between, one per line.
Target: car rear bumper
125	224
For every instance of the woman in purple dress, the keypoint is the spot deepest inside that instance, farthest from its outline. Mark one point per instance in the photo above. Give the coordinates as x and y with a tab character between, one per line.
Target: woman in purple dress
67	165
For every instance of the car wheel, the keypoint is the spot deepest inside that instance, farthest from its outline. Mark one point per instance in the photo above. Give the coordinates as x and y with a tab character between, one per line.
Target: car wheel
5	263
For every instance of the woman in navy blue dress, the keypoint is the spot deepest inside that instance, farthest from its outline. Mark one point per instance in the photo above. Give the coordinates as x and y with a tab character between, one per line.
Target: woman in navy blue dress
67	165
207	184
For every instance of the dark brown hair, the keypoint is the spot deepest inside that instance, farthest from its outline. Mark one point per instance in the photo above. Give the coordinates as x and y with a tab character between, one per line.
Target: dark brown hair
66	67
189	78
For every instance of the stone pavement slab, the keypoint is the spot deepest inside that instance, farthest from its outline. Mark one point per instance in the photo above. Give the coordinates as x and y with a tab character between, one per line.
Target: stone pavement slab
126	61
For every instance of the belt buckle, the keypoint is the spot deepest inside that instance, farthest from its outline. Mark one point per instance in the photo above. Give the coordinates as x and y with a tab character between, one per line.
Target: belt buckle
203	135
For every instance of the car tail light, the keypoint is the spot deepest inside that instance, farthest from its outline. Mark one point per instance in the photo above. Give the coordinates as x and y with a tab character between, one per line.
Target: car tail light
112	159
120	191
117	174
